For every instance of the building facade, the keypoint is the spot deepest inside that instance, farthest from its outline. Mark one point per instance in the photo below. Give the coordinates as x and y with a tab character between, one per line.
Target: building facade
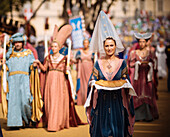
51	12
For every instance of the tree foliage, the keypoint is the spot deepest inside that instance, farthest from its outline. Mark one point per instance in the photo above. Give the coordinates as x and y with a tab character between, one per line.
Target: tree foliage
90	13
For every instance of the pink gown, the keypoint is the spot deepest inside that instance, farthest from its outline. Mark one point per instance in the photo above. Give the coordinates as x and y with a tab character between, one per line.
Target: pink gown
59	107
85	65
56	96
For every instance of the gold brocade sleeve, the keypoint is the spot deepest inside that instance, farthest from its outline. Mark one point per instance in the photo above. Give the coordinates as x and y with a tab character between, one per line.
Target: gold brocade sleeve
95	72
3	94
124	73
37	102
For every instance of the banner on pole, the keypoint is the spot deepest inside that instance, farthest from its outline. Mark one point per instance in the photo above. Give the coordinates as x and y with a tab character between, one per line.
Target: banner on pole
77	32
27	11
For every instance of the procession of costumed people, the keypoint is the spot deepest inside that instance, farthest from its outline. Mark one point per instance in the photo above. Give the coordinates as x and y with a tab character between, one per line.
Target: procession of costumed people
20	101
115	92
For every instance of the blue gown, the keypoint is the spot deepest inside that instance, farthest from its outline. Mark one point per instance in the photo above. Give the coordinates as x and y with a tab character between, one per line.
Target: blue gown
19	96
1	135
110	117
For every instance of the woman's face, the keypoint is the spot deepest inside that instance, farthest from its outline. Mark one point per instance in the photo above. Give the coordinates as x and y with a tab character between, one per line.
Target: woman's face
142	43
109	47
86	43
55	47
161	42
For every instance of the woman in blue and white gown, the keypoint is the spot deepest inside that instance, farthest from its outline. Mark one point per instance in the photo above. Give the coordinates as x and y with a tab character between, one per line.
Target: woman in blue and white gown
109	104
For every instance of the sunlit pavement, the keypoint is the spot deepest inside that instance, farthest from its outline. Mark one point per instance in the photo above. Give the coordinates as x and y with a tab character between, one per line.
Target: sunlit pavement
157	128
160	127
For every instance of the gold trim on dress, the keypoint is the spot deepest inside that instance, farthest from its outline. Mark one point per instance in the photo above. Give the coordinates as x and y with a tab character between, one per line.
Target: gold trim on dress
125	71
144	62
21	54
124	76
18	72
56	70
95	72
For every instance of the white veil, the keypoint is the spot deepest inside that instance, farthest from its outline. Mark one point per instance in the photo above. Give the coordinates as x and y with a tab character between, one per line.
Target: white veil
104	29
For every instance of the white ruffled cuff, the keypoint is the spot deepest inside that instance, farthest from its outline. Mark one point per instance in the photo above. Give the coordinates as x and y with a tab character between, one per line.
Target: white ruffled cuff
137	63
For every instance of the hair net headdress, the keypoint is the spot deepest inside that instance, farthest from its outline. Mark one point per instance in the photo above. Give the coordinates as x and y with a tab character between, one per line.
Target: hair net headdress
104	29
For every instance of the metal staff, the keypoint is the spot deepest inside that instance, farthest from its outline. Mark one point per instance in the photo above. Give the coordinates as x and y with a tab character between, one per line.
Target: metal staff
4	66
95	57
69	51
68	72
46	46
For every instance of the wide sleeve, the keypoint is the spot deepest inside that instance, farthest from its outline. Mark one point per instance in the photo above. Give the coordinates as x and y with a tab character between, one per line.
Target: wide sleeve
155	73
4	84
37	102
128	101
94	76
31	59
43	77
131	59
90	93
124	73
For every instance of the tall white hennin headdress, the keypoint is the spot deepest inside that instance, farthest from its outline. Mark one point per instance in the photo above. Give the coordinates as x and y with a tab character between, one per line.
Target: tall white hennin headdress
104	29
